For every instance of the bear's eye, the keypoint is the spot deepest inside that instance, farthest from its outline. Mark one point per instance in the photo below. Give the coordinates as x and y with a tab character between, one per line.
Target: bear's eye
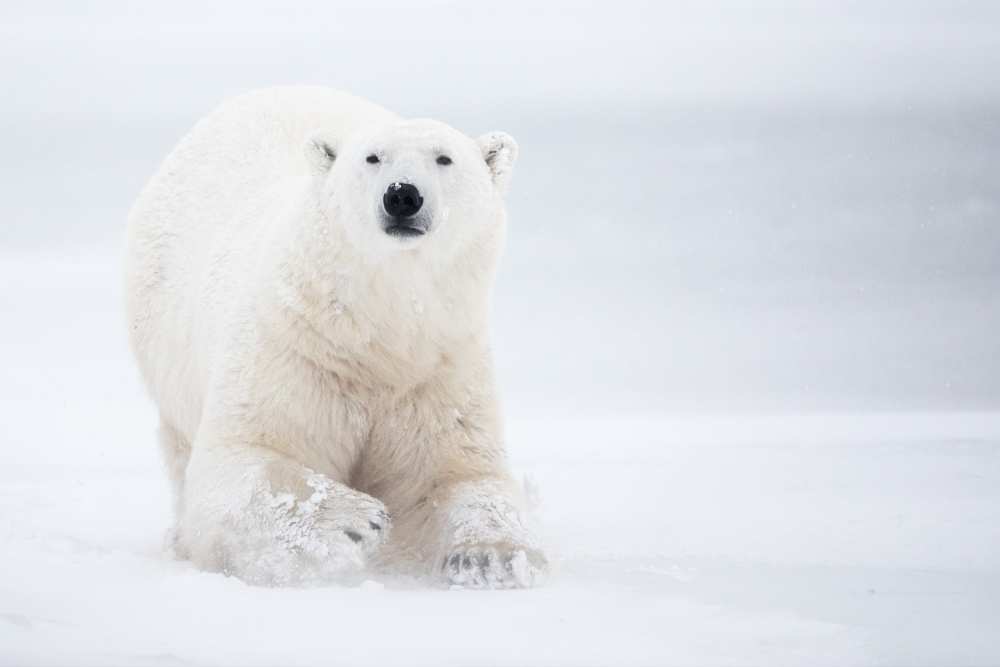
372	159
443	159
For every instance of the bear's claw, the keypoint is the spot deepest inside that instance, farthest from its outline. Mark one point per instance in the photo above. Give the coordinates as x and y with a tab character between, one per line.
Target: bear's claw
494	566
360	518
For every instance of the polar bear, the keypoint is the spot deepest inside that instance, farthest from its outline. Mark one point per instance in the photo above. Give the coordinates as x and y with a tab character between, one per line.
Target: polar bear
308	283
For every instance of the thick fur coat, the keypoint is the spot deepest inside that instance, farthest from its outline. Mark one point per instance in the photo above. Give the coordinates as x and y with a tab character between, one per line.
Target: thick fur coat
325	387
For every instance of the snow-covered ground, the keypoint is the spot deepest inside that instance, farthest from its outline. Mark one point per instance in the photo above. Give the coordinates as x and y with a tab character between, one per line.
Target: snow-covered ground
850	539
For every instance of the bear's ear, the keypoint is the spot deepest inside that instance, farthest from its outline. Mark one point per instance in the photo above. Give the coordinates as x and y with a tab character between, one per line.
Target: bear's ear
499	151
320	152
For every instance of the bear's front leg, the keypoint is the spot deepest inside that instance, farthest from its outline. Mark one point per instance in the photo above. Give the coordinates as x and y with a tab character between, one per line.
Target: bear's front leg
266	519
437	459
485	543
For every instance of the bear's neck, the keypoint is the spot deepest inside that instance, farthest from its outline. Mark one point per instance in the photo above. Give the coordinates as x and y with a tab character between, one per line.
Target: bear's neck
390	326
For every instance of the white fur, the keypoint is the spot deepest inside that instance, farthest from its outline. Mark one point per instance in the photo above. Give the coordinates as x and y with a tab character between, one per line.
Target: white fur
315	375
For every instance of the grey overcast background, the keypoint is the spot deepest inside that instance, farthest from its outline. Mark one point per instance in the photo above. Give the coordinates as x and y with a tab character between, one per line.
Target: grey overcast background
778	206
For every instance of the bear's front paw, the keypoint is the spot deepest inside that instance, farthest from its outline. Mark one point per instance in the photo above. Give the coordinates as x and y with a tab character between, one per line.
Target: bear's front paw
350	518
333	531
362	519
497	565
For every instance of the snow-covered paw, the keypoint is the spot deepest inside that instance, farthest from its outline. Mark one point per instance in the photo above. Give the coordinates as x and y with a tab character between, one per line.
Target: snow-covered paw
494	566
365	524
323	533
349	517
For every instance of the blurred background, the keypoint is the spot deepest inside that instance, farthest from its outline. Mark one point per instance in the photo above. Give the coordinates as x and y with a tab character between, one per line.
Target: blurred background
719	207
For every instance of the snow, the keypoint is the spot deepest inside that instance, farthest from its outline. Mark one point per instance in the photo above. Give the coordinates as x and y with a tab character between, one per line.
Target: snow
852	538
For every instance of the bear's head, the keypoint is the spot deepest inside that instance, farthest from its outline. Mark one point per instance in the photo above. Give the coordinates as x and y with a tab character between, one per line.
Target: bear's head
416	186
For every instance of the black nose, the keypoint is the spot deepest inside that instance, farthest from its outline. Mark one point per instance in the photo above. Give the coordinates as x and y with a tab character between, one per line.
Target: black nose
402	200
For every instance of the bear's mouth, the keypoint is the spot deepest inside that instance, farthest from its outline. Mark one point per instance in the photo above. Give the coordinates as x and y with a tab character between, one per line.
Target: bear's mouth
404	230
